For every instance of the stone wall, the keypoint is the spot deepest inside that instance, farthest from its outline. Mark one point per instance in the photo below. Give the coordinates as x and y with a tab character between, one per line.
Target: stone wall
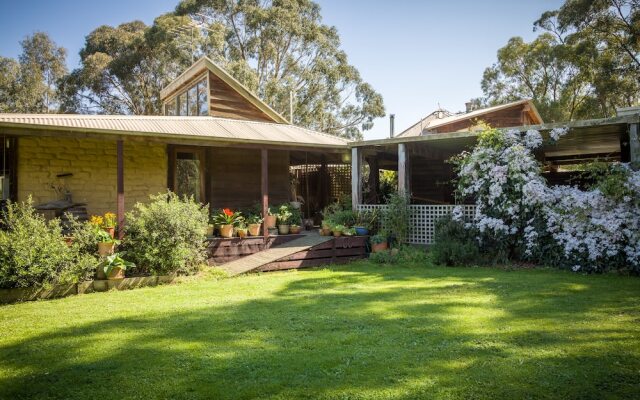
92	163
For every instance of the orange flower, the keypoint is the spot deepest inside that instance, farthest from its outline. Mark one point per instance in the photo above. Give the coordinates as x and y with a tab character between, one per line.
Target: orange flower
227	212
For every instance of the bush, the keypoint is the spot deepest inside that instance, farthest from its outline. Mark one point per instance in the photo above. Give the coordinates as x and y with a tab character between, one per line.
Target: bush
166	235
406	255
396	218
33	251
453	243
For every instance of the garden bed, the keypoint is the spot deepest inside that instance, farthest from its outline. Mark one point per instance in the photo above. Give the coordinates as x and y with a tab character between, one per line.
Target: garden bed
57	291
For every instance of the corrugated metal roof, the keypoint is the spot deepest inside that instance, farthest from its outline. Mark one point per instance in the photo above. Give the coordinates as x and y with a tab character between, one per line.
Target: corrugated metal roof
427	123
221	129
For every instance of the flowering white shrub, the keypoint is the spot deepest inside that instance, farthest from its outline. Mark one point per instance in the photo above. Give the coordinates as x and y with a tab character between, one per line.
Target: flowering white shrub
518	215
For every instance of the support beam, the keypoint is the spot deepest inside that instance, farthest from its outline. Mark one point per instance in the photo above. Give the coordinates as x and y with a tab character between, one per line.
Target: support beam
264	187
356	180
634	145
374	179
403	170
120	187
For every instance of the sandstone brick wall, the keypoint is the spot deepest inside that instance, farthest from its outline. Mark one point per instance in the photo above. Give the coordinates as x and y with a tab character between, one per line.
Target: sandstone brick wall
93	165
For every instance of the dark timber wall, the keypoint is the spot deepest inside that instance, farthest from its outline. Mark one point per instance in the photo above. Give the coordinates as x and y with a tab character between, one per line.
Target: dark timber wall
431	181
225	102
514	116
234	177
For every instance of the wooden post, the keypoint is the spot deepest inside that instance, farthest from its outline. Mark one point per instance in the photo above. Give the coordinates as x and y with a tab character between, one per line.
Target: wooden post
356	181
402	169
264	155
374	179
120	187
634	145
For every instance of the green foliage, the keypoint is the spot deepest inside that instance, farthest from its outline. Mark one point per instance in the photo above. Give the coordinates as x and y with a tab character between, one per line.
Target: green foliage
254	219
29	85
296	216
454	244
610	178
378	238
166	235
284	214
115	261
366	219
584	64
33	251
396	218
403	256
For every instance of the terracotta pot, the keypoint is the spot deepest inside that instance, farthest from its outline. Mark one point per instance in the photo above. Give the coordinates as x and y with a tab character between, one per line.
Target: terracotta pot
378	247
337	233
111	231
270	220
105	248
295	229
116	273
68	240
242	233
226	231
254	229
326	232
283	229
210	230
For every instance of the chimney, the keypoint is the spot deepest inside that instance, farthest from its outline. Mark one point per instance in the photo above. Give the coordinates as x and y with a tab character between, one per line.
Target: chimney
392	118
469	106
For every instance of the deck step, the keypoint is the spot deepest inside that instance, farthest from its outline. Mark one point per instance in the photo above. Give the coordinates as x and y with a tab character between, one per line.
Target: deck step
256	260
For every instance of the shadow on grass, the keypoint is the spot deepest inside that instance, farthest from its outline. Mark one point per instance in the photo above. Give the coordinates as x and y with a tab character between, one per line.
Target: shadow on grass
371	333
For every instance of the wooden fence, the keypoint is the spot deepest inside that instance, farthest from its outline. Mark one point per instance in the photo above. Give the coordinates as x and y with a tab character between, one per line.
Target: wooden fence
423	218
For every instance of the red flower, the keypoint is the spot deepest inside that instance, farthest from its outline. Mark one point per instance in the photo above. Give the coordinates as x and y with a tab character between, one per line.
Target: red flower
227	212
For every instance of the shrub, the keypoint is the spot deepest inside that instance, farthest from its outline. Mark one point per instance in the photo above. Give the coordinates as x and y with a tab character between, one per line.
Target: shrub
33	251
396	218
166	235
406	255
453	243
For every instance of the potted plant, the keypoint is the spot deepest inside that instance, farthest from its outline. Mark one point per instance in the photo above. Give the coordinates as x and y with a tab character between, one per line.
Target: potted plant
364	221
253	224
110	223
113	267
337	230
241	230
270	219
106	242
296	218
227	220
326	227
349	231
284	216
378	242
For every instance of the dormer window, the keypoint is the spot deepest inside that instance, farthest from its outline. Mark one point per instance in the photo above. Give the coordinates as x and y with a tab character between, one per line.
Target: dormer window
191	102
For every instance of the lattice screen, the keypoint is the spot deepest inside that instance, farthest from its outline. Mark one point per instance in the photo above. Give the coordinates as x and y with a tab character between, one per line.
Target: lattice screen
423	218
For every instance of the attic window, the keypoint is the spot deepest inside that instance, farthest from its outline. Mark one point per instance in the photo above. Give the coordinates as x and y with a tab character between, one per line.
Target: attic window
192	102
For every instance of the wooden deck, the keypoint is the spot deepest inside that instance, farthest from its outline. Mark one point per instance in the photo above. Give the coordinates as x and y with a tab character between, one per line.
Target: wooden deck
273	254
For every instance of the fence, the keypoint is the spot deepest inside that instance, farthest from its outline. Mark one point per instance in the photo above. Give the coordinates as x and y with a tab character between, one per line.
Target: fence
423	218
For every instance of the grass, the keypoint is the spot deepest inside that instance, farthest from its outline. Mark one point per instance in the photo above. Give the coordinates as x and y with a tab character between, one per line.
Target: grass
360	331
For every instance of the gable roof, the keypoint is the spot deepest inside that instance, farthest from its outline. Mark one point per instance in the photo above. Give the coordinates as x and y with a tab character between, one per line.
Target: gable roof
210	128
427	123
205	64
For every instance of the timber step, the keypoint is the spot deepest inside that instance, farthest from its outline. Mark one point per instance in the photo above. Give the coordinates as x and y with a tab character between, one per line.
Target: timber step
273	254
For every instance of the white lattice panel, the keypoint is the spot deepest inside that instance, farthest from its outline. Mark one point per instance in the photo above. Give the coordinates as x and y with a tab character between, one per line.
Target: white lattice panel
423	218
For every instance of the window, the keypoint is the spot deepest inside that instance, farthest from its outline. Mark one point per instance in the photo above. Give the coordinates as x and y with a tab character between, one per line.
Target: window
192	98
188	173
203	99
182	104
7	170
193	101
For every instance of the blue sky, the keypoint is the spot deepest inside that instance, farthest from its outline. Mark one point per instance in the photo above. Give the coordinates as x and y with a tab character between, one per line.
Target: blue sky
417	54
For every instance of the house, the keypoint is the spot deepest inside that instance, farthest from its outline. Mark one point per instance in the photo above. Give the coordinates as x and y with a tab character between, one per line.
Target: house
217	142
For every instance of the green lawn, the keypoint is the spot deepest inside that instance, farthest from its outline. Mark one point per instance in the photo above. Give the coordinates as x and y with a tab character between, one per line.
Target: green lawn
360	331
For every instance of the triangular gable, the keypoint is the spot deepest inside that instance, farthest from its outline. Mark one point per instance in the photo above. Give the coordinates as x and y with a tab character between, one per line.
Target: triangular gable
228	97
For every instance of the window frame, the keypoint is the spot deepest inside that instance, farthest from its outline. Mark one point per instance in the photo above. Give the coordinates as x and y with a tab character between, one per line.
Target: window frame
200	155
185	90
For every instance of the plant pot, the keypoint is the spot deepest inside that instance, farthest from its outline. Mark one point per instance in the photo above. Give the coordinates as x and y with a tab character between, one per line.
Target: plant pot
273	231
295	229
111	231
116	273
270	221
361	231
226	231
324	225
242	233
210	230
254	229
378	247
68	240
283	229
337	233
105	248
326	232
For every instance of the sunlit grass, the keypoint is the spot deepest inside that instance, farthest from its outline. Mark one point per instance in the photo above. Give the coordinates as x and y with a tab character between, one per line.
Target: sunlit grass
357	331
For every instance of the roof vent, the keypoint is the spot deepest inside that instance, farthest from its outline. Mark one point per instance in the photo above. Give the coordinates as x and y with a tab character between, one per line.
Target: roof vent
468	106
